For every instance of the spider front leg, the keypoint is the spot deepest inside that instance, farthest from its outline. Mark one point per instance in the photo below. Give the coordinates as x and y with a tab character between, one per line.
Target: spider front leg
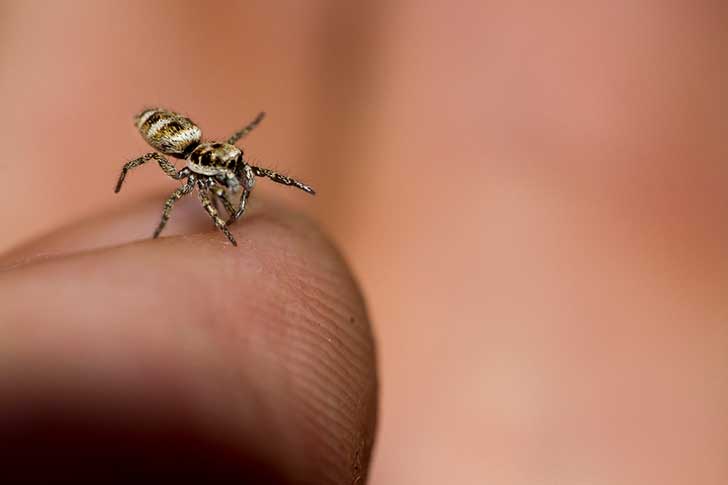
237	214
248	178
281	179
167	167
207	204
220	195
169	204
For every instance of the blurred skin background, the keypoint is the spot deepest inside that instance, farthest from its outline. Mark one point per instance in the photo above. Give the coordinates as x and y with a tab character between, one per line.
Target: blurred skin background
532	194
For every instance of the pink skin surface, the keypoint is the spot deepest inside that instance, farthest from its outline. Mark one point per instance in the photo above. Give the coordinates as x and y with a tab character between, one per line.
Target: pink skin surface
531	194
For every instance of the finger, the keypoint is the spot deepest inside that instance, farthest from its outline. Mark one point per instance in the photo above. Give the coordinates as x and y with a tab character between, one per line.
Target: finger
203	356
133	221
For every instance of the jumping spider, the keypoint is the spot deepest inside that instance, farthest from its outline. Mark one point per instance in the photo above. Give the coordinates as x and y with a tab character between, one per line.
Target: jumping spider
214	169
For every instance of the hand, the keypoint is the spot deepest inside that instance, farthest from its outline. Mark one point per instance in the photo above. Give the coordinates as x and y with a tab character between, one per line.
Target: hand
184	357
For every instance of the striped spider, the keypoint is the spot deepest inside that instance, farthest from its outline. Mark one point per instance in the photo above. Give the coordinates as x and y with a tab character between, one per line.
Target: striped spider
215	169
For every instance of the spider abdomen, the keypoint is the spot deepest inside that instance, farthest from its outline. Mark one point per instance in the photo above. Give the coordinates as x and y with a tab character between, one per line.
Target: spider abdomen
168	132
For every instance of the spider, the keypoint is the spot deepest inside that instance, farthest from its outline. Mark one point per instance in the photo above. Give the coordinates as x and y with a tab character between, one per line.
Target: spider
215	169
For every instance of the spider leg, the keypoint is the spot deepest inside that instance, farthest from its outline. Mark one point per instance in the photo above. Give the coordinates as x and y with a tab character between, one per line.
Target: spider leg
237	214
247	177
281	179
241	133
210	208
219	194
215	202
169	204
166	165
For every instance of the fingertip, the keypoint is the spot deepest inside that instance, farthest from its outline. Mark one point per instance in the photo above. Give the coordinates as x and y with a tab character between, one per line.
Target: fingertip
270	341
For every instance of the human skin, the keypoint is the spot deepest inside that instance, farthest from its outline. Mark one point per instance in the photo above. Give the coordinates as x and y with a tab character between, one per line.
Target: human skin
184	356
531	193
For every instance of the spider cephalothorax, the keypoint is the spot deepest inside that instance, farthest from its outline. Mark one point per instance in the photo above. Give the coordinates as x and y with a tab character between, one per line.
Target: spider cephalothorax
215	169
